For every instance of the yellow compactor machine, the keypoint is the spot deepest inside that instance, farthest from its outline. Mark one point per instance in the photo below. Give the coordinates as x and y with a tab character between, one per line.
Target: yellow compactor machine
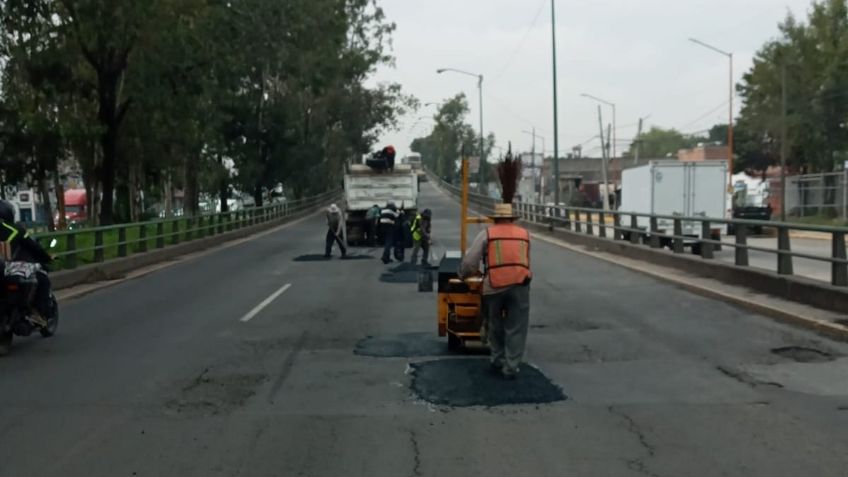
460	301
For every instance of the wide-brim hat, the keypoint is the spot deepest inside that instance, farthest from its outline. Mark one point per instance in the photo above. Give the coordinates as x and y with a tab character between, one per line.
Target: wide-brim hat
503	211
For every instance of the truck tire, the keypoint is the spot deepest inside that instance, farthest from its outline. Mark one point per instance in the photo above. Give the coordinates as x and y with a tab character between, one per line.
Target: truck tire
696	248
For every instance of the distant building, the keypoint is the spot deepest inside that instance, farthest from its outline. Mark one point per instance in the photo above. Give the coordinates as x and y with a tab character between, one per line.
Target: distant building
581	178
704	152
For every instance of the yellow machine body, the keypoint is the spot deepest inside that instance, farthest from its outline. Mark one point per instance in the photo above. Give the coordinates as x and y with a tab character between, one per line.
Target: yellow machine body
460	301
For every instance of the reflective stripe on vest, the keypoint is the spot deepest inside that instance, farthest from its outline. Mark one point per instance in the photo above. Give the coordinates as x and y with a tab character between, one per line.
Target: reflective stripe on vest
507	255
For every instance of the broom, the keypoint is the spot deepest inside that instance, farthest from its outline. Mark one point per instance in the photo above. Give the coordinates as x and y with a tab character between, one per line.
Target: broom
509	170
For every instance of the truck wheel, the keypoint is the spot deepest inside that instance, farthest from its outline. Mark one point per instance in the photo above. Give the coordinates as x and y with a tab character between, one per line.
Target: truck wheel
696	248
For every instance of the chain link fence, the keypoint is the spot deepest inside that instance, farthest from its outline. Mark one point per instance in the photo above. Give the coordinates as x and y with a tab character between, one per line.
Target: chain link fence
813	196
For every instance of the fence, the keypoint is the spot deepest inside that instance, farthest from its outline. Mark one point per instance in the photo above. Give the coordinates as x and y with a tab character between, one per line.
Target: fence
813	195
98	244
625	226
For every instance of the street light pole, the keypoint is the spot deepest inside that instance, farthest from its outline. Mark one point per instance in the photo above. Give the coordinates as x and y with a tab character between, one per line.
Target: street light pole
729	56
480	94
556	115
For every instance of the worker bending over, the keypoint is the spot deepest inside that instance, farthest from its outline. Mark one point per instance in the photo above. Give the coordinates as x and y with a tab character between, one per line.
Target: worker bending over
503	249
334	231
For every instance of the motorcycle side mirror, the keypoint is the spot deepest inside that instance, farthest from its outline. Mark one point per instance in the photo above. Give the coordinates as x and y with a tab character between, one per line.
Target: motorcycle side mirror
53	243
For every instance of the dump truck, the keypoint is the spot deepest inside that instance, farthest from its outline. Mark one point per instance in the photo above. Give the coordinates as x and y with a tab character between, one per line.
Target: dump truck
364	187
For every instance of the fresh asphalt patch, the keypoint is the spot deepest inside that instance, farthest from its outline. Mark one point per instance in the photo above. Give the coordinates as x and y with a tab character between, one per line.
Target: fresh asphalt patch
321	258
403	273
213	393
469	382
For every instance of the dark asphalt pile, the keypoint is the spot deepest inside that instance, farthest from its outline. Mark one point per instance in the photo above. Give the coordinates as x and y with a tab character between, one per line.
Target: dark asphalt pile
405	345
469	382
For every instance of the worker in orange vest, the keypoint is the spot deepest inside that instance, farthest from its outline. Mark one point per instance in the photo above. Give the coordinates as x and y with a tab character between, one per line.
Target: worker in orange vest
504	251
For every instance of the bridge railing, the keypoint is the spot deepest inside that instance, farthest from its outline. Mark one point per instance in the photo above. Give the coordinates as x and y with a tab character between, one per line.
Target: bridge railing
100	244
667	231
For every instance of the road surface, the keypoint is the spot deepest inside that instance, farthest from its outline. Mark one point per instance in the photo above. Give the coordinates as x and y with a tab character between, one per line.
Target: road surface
182	372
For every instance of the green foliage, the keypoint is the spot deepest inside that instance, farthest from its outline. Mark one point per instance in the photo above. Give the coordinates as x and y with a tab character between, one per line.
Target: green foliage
659	143
813	55
450	138
149	96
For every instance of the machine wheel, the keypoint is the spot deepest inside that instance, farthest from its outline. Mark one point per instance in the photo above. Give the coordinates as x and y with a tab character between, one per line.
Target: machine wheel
5	342
52	323
454	343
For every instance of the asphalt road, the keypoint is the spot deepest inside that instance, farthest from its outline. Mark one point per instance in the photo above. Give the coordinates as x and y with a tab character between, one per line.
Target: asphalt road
162	376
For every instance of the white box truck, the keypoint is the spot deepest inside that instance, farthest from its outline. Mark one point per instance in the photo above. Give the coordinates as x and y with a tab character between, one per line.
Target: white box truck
675	188
365	187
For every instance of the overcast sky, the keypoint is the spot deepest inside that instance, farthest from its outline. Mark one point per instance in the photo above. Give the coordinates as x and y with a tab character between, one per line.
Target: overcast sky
634	53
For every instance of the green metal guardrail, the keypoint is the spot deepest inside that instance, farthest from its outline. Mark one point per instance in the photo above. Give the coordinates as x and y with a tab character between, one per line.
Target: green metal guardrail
99	244
625	228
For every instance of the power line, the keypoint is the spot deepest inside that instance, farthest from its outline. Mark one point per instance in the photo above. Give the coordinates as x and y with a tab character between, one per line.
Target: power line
712	111
522	41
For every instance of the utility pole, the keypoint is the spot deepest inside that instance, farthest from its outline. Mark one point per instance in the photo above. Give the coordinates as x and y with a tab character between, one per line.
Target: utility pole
638	144
556	119
783	144
604	197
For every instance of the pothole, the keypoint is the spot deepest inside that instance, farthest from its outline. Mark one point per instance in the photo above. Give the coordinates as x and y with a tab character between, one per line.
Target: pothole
469	382
803	354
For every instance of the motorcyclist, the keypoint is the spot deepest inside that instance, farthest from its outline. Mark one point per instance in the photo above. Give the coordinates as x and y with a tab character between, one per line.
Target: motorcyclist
16	245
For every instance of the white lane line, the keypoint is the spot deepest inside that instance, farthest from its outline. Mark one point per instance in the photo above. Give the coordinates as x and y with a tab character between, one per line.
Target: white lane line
265	303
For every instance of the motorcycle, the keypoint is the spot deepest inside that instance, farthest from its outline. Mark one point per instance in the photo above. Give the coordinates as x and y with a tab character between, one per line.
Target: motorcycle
18	284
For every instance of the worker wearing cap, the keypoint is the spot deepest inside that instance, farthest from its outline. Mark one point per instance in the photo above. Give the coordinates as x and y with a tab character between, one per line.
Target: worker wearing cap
389	216
503	249
334	231
421	237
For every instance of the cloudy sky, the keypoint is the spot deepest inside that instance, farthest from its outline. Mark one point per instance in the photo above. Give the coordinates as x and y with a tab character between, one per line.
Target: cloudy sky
634	53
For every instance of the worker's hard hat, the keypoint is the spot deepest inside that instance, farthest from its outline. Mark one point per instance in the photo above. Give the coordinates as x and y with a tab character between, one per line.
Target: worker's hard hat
427	213
333	208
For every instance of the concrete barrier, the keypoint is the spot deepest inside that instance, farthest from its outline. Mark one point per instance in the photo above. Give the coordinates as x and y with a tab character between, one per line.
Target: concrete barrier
119	267
799	289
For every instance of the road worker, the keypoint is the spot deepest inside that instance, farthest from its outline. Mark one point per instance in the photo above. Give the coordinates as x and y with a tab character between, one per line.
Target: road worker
388	217
334	231
503	249
421	237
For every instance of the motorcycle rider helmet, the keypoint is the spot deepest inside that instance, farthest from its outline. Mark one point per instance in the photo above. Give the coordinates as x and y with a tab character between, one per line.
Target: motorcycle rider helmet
427	213
7	212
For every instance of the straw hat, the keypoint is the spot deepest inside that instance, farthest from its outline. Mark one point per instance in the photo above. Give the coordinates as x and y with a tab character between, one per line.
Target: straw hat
503	211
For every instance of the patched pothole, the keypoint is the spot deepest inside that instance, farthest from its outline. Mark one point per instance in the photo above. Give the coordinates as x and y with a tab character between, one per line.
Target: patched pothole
470	382
803	354
321	258
211	394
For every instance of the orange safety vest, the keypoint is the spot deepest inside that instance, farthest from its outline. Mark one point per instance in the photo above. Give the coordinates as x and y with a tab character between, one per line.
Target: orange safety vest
508	255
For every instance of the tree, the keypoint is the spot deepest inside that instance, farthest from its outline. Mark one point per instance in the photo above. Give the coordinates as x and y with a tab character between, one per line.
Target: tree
813	56
660	143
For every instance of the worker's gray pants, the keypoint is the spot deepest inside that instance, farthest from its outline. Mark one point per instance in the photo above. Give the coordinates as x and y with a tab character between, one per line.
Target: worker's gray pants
508	319
423	246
